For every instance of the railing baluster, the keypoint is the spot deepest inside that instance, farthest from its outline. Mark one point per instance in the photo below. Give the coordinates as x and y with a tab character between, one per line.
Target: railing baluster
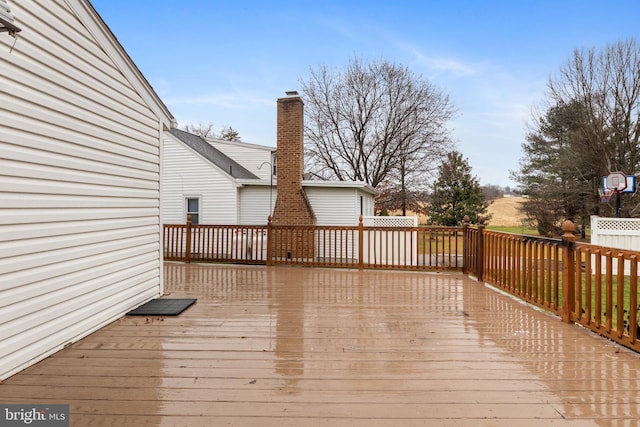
609	292
633	300
418	248
620	306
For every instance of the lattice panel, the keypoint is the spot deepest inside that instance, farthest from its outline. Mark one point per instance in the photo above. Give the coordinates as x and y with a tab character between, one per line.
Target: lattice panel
390	221
618	224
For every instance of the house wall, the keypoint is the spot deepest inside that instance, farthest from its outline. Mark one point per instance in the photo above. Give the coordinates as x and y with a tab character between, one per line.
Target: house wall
368	205
79	183
254	204
325	201
186	173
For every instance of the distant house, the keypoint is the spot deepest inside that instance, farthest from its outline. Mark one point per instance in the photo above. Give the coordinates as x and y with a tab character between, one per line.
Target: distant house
230	182
80	137
200	180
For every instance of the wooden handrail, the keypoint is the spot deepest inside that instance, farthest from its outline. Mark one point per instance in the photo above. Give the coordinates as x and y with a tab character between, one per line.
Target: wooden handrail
587	284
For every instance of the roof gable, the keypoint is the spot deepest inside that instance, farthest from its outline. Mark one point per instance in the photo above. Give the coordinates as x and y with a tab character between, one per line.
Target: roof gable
213	155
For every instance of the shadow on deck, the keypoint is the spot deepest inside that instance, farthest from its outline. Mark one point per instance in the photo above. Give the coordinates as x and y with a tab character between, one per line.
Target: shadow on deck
310	347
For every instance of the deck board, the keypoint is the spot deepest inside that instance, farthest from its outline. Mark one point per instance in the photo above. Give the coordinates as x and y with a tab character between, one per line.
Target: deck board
283	346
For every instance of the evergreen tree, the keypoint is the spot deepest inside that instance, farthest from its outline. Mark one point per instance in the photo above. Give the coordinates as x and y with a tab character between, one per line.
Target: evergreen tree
456	193
558	172
592	128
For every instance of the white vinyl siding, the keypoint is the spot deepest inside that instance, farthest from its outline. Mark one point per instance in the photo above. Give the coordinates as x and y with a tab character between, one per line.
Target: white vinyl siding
368	203
334	206
331	205
79	186
186	173
254	204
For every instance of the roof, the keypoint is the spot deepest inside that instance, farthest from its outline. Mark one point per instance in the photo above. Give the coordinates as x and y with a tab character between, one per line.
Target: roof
212	154
240	143
359	185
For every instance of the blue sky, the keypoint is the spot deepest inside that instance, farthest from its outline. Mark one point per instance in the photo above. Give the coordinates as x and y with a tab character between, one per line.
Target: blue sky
226	62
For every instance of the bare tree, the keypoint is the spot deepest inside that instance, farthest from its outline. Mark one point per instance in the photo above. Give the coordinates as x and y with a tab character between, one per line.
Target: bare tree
202	130
606	83
208	131
230	134
374	122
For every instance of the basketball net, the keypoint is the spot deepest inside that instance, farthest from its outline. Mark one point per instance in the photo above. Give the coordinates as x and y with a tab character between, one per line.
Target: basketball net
605	195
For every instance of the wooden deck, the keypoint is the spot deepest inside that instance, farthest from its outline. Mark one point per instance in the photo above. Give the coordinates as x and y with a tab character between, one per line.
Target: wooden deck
283	346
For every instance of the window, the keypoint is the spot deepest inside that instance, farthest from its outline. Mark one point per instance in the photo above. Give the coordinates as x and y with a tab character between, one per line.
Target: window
274	163
193	209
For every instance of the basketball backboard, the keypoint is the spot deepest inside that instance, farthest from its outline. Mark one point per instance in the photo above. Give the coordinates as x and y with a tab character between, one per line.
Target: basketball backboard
618	181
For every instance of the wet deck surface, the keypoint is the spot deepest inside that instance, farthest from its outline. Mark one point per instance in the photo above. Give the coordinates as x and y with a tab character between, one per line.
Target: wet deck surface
310	347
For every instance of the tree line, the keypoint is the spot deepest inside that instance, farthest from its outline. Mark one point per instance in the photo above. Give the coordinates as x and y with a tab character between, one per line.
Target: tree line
589	128
381	123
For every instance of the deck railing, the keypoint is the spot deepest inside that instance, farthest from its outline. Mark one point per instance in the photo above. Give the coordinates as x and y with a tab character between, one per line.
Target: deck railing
525	266
606	292
415	248
594	286
243	244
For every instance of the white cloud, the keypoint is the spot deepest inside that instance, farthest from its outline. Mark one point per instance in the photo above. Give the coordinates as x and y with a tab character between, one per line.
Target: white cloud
229	101
456	67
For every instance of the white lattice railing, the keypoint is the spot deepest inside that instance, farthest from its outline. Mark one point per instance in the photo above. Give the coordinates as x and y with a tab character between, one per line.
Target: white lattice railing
397	247
621	233
617	225
390	221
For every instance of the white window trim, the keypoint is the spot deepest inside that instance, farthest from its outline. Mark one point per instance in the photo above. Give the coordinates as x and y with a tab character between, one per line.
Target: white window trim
185	206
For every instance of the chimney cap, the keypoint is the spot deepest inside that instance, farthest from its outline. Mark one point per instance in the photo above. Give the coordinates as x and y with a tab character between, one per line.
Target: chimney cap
291	93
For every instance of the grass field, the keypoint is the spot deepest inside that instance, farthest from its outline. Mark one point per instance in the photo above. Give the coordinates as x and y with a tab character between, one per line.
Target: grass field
504	213
506	217
528	231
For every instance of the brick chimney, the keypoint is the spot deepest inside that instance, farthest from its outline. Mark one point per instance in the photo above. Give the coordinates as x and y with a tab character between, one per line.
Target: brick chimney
292	206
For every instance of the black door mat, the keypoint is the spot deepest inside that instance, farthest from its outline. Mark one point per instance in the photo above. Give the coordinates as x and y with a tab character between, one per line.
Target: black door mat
162	307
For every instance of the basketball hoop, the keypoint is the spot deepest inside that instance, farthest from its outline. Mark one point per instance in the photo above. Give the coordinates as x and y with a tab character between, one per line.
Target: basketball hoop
616	181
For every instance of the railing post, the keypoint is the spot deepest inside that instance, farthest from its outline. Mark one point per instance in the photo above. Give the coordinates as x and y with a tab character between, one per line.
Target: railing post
568	271
465	244
269	240
187	252
360	243
480	250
